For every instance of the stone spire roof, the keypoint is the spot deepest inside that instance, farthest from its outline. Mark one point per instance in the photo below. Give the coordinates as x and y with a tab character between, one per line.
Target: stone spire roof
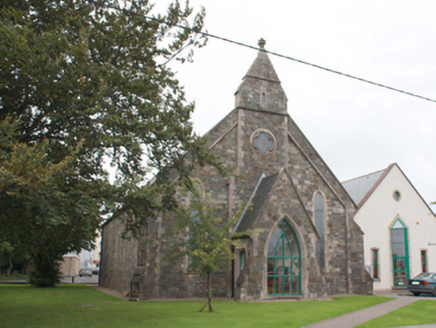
261	88
262	67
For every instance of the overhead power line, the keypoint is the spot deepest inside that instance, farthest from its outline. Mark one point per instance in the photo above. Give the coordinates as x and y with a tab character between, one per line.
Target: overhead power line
262	49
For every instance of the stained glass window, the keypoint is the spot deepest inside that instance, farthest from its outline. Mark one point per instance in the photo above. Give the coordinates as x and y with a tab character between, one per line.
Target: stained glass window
284	262
241	260
400	254
375	268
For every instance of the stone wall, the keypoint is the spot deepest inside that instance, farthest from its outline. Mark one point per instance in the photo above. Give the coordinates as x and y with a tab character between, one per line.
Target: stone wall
119	257
362	282
173	279
70	266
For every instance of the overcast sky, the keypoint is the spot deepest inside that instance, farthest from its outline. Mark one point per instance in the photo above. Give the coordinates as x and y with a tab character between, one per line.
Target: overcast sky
357	128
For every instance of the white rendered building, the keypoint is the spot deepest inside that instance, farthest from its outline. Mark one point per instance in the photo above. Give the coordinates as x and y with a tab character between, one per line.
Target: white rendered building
399	227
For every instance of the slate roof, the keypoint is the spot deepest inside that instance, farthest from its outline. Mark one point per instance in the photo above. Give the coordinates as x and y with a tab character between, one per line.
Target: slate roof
362	187
359	187
258	199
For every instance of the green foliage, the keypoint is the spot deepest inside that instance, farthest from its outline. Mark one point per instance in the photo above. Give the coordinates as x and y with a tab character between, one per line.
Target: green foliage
47	210
14	276
14	261
5	247
78	305
46	272
82	85
211	239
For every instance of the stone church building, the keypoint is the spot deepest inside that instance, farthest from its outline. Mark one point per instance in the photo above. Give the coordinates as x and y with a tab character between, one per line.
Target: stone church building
305	242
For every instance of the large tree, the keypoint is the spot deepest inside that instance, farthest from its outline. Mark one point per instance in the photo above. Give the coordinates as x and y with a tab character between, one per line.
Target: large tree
85	84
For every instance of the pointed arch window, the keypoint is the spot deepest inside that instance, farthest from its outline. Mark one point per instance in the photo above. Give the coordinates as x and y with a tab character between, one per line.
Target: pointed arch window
400	254
284	262
319	220
375	264
198	190
242	258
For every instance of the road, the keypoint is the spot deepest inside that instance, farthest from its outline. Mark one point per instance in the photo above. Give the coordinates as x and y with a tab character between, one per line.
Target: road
81	280
66	280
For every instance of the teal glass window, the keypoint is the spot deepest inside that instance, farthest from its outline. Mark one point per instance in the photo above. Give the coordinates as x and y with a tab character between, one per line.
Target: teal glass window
424	260
284	262
400	254
375	268
241	260
319	226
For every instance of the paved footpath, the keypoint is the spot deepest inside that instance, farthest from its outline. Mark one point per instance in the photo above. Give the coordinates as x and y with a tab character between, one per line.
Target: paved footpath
358	317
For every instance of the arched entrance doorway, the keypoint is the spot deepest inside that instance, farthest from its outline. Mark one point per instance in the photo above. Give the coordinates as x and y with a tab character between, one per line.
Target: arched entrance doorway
400	254
284	262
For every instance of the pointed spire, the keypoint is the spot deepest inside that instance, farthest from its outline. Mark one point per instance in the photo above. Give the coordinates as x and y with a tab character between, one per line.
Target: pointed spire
262	67
261	89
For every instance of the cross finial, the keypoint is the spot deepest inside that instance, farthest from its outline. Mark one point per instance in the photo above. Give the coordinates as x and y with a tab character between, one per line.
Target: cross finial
261	43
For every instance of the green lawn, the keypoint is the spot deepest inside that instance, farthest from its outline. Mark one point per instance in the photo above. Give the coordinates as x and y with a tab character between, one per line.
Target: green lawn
419	313
82	306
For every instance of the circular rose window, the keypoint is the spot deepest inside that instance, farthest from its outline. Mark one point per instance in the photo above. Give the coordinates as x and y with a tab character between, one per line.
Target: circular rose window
263	141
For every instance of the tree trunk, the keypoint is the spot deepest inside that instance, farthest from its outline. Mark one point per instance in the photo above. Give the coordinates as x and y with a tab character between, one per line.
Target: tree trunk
11	265
209	294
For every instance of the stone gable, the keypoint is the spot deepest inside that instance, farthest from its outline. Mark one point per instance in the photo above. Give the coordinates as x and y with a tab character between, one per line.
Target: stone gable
275	166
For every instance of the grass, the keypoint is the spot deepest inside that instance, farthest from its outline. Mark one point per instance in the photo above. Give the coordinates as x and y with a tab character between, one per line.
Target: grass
418	313
79	305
